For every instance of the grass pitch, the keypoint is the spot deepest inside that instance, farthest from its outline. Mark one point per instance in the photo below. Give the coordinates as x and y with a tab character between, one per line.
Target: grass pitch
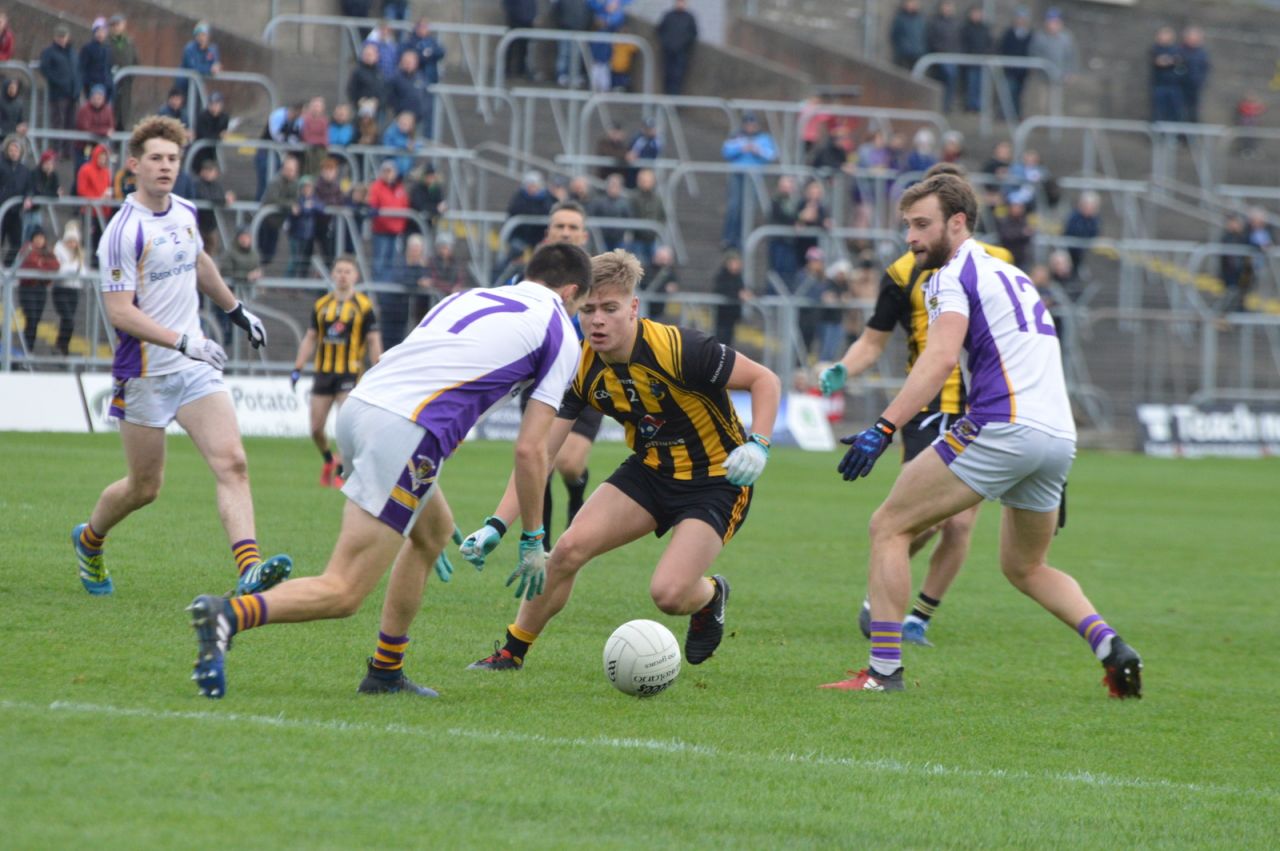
1004	738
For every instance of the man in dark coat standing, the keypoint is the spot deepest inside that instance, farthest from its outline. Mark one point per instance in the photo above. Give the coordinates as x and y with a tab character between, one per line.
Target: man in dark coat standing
677	35
58	66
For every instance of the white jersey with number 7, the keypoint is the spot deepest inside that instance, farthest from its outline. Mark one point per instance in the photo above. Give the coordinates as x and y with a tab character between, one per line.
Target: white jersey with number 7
472	351
1012	359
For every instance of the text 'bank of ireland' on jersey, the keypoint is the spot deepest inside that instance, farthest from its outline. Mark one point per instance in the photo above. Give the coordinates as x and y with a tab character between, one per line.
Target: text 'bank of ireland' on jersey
153	255
670	398
1012	358
471	352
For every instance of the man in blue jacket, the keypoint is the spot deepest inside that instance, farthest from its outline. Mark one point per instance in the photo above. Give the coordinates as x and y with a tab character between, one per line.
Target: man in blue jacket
746	150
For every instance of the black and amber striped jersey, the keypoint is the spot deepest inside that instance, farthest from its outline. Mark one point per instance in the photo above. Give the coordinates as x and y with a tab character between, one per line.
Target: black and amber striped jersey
670	397
342	333
901	302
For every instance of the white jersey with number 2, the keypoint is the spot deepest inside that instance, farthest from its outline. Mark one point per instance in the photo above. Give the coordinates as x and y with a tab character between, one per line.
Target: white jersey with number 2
472	351
1012	359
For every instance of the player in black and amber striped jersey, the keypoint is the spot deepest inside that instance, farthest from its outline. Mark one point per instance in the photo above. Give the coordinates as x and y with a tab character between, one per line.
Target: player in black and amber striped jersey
692	465
344	330
901	303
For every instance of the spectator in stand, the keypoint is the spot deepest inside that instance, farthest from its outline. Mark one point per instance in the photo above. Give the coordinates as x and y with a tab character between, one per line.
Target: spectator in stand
408	92
923	154
410	277
645	147
31	291
1055	44
1249	111
613	145
387	195
58	66
580	191
730	285
15	182
1196	66
838	290
6	38
942	35
211	127
385	40
646	204
241	268
1016	41
313	131
907	35
282	192
95	115
400	135
93	180
1015	230
304	219
614	204
661	281
95	61
677	37
444	276
878	165
210	189
570	16
827	156
175	107
367	130
601	75
430	53
975	40
1261	238
124	182
1236	269
1166	77
66	290
621	63
366	81
520	15
200	55
747	150
813	213
358	9
395	10
1063	274
282	128
123	53
427	197
13	109
1000	161
1083	223
810	285
784	211
329	193
342	131
45	182
952	147
1032	179
530	200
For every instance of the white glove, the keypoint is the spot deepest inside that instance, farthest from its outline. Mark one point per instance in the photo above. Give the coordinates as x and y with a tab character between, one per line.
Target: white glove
251	324
476	546
203	349
745	464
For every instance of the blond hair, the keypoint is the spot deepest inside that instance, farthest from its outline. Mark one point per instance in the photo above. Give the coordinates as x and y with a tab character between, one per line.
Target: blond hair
156	127
617	268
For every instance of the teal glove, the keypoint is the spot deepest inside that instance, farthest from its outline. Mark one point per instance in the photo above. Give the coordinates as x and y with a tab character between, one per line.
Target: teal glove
476	546
832	379
745	464
444	567
532	567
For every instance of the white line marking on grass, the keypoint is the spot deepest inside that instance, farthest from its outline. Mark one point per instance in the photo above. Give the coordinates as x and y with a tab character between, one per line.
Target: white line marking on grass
885	766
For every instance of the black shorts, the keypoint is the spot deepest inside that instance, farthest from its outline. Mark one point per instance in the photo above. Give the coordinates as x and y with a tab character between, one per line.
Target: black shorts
588	423
333	383
720	505
922	430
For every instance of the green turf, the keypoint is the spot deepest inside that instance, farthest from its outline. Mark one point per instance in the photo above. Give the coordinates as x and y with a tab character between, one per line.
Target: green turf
1005	738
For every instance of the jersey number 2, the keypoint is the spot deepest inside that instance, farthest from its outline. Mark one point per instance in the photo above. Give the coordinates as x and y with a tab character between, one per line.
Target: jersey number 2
503	305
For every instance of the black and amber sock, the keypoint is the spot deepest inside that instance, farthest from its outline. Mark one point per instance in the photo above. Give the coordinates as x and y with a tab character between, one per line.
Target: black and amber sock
246	554
328	456
91	540
924	607
250	611
518	642
390	653
577	493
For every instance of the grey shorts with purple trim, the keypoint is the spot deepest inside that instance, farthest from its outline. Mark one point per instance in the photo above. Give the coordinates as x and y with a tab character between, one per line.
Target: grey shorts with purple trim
1016	464
154	400
392	463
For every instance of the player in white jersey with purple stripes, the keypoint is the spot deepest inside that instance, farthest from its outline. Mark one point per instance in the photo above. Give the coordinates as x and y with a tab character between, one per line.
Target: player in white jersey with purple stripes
473	351
1016	443
153	265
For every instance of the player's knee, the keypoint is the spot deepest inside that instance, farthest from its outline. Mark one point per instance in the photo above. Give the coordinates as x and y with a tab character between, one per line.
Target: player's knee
233	466
569	553
882	525
145	489
1017	572
959	526
668	598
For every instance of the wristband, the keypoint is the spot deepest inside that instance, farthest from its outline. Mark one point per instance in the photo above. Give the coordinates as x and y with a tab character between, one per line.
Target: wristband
885	427
181	345
528	536
498	525
761	440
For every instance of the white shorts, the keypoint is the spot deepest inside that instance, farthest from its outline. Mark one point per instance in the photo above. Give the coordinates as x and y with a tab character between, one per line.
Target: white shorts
1018	465
391	463
155	400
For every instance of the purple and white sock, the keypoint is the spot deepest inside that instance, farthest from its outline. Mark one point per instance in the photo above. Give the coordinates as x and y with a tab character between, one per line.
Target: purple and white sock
886	646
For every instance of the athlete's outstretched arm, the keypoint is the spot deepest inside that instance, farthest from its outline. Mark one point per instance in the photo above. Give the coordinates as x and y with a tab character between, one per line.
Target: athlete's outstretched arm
765	388
510	505
862	353
937	361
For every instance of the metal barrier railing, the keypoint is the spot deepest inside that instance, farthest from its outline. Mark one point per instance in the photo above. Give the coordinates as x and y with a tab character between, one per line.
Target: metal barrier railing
194	79
995	82
583	40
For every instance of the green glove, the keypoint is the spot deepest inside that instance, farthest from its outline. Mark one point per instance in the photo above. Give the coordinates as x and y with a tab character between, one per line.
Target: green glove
476	546
444	567
532	567
832	379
